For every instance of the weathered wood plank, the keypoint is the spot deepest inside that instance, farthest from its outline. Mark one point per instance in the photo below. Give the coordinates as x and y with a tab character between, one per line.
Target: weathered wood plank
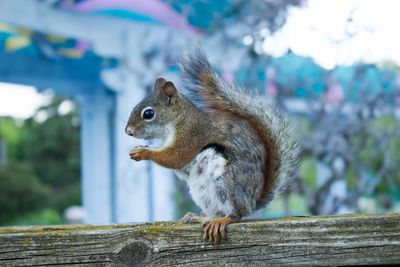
332	240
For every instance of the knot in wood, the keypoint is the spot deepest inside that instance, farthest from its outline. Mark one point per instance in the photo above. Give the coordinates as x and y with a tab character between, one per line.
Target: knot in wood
133	254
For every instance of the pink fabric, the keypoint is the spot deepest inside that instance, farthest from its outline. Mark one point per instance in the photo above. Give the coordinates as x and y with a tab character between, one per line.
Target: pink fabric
152	8
334	93
270	84
82	46
228	76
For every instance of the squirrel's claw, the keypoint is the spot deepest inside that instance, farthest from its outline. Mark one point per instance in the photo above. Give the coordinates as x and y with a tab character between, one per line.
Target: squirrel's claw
215	229
139	153
191	217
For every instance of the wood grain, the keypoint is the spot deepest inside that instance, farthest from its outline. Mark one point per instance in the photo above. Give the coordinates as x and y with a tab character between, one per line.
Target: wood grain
324	241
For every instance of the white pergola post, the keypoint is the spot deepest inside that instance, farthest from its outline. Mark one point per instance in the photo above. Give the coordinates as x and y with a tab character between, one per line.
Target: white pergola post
96	162
114	188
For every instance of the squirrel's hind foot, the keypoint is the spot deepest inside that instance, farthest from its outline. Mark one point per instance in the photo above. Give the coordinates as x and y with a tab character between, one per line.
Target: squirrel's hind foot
191	217
215	229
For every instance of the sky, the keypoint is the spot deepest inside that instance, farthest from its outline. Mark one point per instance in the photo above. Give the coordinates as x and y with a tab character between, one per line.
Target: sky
320	30
19	101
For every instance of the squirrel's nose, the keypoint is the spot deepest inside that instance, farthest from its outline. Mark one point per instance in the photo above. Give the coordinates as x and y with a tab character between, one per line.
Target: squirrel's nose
128	131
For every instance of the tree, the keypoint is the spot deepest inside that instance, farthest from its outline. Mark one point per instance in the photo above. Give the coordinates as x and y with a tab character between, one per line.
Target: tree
51	145
350	137
42	176
21	191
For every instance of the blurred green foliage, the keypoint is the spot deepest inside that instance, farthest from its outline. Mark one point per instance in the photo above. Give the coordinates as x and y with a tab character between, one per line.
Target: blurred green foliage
52	146
46	216
10	132
21	191
391	185
295	202
183	202
308	172
371	176
42	176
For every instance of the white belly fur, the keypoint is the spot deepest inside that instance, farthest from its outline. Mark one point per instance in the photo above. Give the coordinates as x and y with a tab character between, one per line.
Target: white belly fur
207	185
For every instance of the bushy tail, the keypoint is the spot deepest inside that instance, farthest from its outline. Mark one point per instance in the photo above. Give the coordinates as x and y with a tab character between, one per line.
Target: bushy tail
219	97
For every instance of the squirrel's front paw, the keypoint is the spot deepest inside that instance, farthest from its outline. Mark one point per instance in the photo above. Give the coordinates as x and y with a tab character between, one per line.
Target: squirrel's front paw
140	153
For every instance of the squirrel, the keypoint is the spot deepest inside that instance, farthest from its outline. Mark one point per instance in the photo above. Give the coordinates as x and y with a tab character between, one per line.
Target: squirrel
235	151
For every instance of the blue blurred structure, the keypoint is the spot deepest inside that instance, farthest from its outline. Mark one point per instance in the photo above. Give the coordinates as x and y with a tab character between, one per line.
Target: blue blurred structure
105	54
114	189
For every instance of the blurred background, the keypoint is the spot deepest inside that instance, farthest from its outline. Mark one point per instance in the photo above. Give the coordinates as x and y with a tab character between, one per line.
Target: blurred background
71	71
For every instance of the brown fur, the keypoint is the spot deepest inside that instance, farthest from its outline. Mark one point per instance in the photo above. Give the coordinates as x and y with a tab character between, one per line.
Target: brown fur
246	149
192	127
187	144
216	106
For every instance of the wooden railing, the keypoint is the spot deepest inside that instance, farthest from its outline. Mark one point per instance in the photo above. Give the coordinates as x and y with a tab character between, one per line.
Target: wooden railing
331	241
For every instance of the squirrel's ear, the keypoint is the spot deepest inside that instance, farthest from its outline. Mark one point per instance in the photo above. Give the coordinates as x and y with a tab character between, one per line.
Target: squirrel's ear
169	89
158	83
169	92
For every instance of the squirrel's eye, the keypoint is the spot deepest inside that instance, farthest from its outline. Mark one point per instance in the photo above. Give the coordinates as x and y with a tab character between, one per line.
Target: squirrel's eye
148	114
